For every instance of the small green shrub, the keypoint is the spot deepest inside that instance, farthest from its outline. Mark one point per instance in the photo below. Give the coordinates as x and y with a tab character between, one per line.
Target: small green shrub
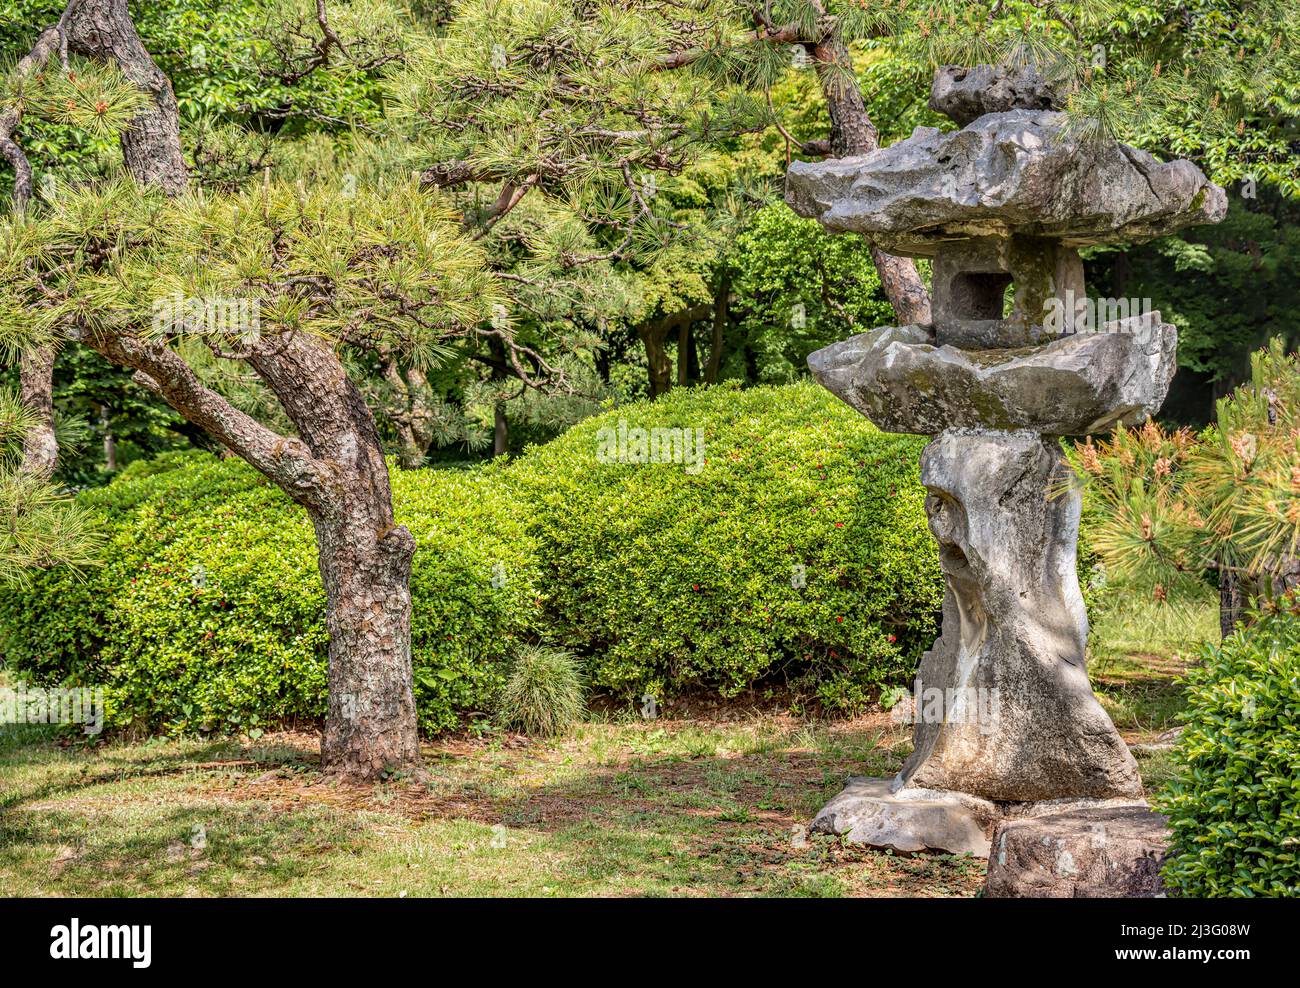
798	551
1234	802
543	692
208	611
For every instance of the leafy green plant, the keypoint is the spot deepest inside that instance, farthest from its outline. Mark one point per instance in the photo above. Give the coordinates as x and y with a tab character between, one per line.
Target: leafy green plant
208	612
543	692
799	551
1233	805
797	288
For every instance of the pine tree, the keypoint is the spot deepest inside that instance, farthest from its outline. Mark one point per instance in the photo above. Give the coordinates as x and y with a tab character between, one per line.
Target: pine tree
1173	504
280	279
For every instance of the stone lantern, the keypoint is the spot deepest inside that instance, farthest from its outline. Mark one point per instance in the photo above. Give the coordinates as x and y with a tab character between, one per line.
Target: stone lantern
1005	720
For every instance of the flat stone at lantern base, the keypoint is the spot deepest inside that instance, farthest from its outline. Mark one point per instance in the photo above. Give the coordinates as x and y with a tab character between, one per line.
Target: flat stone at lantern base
869	812
1075	385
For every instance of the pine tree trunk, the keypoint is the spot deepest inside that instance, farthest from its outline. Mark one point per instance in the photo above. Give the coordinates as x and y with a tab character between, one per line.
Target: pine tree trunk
40	452
110	442
371	724
500	430
721	314
1232	604
659	367
103	30
684	344
853	133
365	562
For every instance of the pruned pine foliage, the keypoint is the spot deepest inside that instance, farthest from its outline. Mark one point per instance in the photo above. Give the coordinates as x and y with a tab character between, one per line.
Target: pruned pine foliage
39	524
1172	503
92	97
1213	80
382	266
558	121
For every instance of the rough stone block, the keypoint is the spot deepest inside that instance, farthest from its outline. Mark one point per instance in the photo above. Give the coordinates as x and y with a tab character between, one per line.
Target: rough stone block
1112	852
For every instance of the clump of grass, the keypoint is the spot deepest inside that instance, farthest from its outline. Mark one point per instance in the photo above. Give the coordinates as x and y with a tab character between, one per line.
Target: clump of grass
544	693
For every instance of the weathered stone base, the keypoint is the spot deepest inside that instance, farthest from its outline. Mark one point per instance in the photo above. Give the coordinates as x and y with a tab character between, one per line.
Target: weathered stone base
908	819
1097	852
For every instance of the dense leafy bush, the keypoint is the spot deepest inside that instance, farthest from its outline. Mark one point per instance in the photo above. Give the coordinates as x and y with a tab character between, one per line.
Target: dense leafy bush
1234	806
668	578
208	612
796	288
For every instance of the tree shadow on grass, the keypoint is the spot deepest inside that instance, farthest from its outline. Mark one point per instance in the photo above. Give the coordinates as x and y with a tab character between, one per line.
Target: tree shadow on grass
168	850
63	779
519	822
731	826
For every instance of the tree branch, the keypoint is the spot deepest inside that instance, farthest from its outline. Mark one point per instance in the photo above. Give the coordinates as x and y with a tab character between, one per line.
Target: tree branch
286	461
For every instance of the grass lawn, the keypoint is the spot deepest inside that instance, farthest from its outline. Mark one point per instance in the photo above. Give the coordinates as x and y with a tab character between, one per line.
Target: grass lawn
694	807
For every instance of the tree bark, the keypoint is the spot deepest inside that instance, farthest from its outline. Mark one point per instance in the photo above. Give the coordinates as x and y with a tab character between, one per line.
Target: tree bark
721	314
500	430
852	133
500	425
365	561
1231	602
40	452
36	390
654	334
660	367
110	442
365	566
412	419
684	344
151	147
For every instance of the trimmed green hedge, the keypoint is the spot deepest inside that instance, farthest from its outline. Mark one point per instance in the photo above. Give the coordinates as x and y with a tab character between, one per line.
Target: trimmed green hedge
1234	805
669	579
208	613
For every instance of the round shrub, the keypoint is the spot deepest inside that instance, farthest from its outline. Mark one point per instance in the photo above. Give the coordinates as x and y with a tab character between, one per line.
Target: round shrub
208	611
798	548
543	692
1234	803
